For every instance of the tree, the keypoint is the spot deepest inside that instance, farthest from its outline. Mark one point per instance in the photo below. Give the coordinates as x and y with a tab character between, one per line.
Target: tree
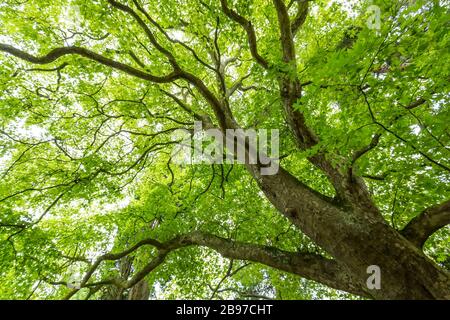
94	206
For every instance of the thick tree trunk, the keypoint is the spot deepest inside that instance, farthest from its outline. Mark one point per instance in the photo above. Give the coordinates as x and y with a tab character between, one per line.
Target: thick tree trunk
140	291
358	240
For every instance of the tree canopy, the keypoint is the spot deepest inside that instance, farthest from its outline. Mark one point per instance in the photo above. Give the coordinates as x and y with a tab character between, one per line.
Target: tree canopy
92	205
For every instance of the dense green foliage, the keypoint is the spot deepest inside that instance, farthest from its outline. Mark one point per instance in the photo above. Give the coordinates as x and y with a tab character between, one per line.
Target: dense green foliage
85	149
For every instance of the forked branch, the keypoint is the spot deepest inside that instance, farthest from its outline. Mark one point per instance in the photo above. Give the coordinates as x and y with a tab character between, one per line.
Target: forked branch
307	265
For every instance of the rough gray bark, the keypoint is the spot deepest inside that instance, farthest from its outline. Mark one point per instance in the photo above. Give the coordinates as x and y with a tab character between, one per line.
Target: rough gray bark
428	222
140	291
358	240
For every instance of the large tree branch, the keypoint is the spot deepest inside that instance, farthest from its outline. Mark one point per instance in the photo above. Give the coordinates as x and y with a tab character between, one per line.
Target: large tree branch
248	27
287	39
57	53
349	191
290	86
300	18
307	265
225	118
419	229
291	92
222	113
